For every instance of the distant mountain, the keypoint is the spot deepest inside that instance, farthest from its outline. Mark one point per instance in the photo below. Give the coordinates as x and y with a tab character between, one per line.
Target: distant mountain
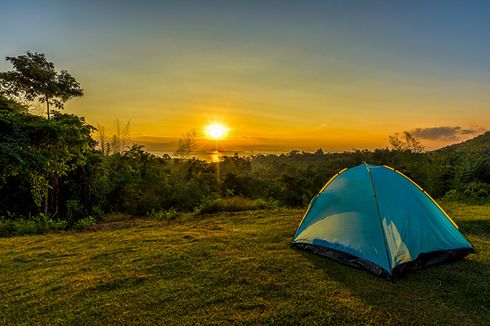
478	145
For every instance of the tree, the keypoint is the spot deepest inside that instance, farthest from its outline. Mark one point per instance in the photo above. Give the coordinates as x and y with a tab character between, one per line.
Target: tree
186	144
35	78
117	143
104	145
120	138
37	155
409	144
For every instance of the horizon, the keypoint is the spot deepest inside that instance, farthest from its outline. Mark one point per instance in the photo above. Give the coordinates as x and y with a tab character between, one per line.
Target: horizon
207	149
281	76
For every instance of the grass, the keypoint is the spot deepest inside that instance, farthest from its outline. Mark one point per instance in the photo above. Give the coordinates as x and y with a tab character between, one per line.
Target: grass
228	268
233	204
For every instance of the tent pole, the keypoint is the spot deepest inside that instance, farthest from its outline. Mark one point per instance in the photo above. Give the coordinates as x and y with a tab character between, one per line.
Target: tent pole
380	222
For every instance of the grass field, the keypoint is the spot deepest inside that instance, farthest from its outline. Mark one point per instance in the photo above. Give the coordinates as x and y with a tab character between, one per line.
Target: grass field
228	268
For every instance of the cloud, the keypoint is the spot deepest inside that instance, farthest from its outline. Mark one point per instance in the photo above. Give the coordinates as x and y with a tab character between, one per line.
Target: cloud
445	133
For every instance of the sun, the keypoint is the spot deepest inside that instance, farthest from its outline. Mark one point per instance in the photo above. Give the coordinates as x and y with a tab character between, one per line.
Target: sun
216	130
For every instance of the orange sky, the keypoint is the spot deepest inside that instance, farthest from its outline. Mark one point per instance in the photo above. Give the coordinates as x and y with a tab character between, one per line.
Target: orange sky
307	117
282	75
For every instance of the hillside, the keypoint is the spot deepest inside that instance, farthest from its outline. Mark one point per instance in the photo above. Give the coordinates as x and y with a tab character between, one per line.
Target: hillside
228	268
479	144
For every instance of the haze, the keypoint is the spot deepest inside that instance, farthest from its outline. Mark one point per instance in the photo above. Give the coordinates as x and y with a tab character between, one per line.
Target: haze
281	75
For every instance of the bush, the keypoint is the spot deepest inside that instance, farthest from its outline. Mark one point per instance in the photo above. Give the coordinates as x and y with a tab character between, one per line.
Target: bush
452	195
23	226
6	226
46	224
37	224
474	192
85	223
164	214
233	204
57	224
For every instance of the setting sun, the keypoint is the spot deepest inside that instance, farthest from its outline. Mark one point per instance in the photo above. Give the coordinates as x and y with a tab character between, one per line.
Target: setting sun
216	131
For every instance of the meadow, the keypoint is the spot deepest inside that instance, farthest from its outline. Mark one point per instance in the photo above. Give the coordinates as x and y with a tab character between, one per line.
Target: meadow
229	267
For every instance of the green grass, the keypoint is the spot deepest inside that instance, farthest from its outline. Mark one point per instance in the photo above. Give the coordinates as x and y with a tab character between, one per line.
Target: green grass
233	204
228	268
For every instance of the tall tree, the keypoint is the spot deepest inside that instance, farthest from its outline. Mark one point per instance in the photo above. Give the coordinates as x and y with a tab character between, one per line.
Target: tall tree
35	78
38	157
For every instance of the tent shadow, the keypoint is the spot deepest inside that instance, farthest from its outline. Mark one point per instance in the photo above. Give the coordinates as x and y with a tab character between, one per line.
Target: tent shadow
459	288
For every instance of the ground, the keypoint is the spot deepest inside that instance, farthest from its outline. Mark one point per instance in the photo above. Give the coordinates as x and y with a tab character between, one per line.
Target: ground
229	268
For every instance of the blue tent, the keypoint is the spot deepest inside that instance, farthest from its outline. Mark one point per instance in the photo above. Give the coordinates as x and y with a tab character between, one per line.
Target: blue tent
375	217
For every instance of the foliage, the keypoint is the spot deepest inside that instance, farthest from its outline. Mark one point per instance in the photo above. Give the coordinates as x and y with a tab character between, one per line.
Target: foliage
35	78
34	225
54	167
137	182
472	192
117	143
232	204
410	143
39	160
186	144
164	214
120	138
85	223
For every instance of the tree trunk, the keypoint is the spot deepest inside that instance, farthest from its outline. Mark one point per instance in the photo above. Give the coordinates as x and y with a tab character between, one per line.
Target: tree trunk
57	195
46	198
47	108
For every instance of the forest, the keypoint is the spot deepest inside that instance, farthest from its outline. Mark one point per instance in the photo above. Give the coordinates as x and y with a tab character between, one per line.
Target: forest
55	173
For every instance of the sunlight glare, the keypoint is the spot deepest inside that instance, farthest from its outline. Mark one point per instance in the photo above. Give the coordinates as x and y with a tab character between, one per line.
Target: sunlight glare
215	157
216	131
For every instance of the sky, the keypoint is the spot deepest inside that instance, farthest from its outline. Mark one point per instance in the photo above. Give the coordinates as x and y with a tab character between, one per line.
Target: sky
282	75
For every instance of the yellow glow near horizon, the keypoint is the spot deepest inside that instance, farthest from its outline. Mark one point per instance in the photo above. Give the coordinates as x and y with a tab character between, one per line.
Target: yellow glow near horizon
216	131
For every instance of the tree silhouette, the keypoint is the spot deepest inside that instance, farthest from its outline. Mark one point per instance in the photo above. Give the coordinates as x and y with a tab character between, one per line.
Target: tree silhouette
409	144
35	78
186	144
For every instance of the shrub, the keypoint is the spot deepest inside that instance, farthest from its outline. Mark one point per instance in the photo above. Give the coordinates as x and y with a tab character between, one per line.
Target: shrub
474	192
452	195
6	227
57	224
24	226
233	204
35	225
85	223
74	209
45	224
164	214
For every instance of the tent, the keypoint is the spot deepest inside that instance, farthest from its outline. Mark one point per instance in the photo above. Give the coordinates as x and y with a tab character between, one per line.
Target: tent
376	218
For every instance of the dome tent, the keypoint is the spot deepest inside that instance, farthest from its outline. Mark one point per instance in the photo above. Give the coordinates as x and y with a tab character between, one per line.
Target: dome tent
375	217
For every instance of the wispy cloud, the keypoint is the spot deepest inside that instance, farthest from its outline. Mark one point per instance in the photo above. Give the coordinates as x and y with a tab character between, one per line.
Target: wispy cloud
445	133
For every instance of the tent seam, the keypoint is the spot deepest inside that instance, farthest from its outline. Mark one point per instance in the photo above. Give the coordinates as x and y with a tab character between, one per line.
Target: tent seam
379	217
